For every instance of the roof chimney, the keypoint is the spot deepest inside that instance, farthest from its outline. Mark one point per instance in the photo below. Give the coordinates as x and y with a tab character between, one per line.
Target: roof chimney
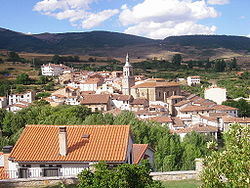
62	141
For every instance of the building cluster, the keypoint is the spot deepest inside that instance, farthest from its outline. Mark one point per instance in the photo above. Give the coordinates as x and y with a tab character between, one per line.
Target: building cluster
17	101
54	69
68	149
152	99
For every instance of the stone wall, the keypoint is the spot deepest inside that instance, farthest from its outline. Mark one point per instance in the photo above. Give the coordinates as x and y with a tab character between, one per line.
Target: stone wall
35	182
174	175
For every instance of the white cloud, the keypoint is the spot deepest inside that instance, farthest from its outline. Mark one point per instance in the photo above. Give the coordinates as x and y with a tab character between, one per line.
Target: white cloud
162	30
218	2
95	19
161	18
76	11
248	35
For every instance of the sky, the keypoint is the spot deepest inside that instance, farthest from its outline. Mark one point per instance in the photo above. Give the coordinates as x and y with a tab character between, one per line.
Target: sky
155	19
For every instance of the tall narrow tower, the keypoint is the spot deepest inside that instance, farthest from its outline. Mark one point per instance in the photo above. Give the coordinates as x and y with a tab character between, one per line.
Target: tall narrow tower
128	77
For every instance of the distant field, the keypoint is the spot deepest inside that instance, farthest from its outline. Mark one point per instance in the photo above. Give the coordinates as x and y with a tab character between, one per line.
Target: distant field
15	69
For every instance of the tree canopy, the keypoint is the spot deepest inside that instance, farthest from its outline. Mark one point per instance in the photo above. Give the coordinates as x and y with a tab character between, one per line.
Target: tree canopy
122	176
231	166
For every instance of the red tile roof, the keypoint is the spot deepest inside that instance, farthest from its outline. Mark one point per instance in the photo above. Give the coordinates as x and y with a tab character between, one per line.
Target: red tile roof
181	103
41	143
237	120
192	108
162	119
3	174
95	99
138	152
122	97
224	108
156	84
200	128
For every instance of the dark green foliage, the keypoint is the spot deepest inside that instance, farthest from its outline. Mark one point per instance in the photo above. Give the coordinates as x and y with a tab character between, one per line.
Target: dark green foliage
43	80
1	61
123	176
42	95
5	86
40	113
210	41
177	59
242	105
24	79
235	87
230	167
220	65
194	146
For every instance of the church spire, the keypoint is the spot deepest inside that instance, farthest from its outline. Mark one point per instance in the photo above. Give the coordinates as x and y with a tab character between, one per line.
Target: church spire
127	61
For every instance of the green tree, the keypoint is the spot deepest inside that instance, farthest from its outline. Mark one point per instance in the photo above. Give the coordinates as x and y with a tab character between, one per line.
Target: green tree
13	56
123	176
242	105
23	79
230	167
194	146
177	59
57	59
233	64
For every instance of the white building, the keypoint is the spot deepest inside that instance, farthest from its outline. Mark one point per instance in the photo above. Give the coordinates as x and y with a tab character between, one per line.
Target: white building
216	94
21	97
193	80
3	102
54	69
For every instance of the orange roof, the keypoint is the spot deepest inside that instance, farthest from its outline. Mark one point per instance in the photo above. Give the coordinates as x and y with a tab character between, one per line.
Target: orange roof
95	99
197	128
162	119
181	103
156	84
234	119
224	108
41	143
3	175
122	97
192	108
138	152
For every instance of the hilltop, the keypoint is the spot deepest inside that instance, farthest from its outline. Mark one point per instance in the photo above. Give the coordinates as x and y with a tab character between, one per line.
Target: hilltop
114	44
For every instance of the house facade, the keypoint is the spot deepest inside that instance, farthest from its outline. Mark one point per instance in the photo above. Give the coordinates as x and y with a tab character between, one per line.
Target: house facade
69	149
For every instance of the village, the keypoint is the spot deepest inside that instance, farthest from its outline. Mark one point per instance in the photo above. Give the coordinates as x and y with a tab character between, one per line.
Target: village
150	99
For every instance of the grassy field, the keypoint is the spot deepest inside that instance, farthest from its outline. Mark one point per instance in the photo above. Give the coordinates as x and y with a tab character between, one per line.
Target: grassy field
167	184
182	184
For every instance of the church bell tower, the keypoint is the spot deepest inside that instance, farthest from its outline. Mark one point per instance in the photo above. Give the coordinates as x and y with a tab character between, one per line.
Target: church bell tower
128	77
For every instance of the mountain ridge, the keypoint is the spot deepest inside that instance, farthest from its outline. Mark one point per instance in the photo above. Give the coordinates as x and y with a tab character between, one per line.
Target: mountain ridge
106	43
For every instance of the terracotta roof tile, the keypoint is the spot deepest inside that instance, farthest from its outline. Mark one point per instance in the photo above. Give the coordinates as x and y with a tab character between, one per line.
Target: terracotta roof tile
181	103
192	108
234	119
122	97
95	99
162	119
144	102
3	174
156	84
197	128
41	143
138	152
224	108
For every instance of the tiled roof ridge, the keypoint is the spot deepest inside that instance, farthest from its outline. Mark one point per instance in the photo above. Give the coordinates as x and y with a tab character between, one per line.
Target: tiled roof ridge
46	125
